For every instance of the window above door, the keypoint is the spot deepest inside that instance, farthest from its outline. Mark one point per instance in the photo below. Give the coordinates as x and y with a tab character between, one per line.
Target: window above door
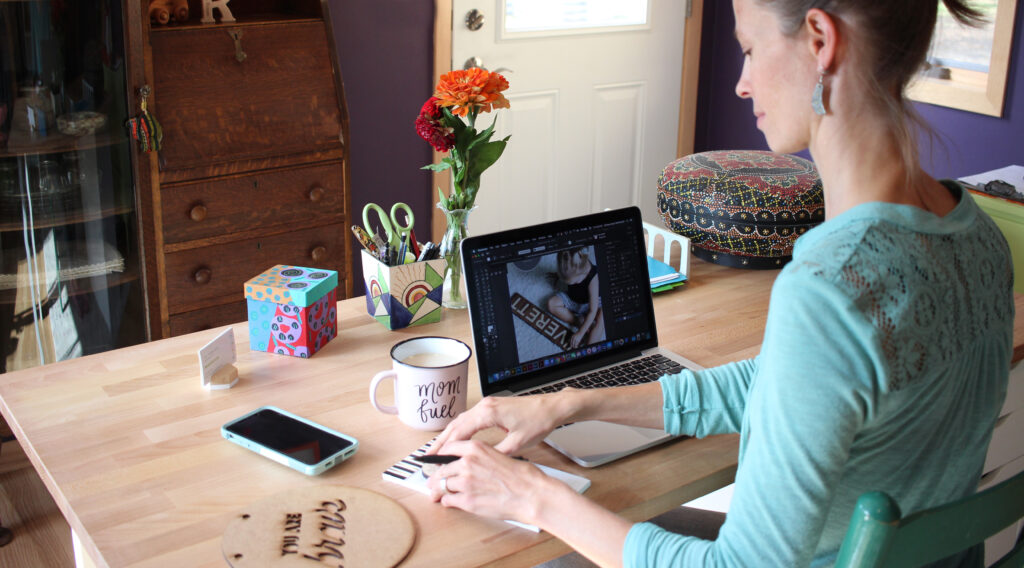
538	18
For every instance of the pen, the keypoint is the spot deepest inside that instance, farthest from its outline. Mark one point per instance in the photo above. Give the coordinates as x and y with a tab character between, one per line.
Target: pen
414	245
424	250
436	458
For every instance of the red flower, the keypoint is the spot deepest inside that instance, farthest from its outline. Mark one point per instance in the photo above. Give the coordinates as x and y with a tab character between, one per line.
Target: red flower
430	127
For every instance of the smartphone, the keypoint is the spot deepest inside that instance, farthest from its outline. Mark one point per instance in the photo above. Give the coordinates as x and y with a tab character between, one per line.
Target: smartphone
290	440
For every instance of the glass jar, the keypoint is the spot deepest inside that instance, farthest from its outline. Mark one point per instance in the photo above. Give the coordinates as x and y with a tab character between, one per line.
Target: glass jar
9	179
39	106
53	178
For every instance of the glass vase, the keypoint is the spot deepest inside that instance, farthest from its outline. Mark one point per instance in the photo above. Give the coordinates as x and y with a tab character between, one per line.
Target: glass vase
453	296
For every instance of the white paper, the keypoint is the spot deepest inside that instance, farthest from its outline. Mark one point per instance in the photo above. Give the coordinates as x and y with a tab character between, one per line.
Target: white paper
407	473
216	354
1013	175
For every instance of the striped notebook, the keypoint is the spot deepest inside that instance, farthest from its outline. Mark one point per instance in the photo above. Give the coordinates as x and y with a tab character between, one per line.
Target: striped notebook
407	472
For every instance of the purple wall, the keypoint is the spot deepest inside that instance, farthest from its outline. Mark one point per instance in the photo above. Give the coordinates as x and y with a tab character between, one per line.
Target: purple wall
385	52
967	143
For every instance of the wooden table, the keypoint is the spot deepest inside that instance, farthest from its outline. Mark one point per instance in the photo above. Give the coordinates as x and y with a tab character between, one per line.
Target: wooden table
128	441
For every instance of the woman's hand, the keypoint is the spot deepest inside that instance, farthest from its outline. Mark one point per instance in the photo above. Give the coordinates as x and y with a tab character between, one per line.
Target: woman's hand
577	337
525	419
488	483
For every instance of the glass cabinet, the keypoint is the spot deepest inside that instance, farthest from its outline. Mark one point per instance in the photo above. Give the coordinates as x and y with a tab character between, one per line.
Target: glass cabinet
69	244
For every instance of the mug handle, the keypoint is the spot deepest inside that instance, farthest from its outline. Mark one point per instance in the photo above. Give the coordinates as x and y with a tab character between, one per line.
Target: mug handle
389	374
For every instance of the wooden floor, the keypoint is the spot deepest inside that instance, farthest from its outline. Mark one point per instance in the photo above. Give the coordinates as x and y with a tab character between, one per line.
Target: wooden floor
42	539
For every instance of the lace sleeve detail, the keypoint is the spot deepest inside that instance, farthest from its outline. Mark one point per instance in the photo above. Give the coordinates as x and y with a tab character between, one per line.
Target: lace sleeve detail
929	297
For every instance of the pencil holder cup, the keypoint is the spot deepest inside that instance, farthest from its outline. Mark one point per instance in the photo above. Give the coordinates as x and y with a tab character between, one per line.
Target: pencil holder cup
404	295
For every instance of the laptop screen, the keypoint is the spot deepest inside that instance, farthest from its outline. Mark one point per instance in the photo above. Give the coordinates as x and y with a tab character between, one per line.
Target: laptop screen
559	298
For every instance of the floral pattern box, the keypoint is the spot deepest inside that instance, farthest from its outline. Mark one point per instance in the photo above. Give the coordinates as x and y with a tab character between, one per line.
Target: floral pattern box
292	310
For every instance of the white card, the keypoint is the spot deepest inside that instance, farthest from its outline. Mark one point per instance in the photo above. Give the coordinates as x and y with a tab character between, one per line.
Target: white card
215	355
407	472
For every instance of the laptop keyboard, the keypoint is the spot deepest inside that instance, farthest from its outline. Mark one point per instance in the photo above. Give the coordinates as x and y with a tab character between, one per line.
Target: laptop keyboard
633	372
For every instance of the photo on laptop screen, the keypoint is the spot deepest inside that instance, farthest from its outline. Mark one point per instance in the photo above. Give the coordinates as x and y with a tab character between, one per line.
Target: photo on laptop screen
556	296
551	301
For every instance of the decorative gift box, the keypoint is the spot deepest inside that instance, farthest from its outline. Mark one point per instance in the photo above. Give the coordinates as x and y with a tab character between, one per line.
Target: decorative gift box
406	294
292	310
741	208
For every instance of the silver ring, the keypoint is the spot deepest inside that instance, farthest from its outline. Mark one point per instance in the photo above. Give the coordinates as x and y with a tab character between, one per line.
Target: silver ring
444	485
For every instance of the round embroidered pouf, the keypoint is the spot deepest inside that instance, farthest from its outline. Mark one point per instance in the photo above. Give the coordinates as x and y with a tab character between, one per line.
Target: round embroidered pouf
741	208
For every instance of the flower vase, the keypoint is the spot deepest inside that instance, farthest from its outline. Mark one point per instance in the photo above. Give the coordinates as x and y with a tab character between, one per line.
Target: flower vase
457	219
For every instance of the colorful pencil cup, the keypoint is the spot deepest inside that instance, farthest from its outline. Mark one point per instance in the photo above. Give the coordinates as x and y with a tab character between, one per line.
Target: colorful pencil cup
404	295
292	310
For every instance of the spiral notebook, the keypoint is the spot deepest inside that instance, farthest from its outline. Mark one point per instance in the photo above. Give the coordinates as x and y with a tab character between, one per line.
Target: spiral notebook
407	473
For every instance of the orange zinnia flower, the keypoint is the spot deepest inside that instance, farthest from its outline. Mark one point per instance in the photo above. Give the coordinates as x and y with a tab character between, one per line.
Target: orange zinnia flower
473	89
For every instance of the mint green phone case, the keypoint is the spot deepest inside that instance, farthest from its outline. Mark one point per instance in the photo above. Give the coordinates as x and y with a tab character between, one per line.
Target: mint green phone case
290	440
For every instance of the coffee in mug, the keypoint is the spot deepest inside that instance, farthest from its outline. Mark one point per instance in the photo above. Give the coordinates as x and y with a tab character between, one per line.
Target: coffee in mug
431	380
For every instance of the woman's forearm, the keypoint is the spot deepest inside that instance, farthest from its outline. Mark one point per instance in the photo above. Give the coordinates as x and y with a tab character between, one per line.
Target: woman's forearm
639	405
593	531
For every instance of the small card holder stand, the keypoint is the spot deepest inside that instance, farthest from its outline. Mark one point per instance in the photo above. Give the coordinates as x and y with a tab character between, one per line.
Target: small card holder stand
215	362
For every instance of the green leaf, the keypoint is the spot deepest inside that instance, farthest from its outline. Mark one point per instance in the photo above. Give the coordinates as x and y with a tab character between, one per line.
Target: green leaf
444	165
485	156
442	198
484	136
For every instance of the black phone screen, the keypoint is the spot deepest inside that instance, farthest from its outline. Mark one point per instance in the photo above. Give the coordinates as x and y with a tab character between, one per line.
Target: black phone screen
288	436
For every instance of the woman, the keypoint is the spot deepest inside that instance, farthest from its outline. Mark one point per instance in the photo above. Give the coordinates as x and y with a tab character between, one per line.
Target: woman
887	345
580	303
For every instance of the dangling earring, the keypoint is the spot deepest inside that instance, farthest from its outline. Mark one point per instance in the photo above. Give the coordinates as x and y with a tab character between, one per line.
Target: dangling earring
818	98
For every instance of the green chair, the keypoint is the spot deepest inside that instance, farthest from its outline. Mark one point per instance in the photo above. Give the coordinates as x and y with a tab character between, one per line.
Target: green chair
878	536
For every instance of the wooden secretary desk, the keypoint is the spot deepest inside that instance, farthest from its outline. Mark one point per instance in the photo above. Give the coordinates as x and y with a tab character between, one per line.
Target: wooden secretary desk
253	169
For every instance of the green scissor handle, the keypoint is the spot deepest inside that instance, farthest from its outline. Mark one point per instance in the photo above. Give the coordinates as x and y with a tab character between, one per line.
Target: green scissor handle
396	232
401	230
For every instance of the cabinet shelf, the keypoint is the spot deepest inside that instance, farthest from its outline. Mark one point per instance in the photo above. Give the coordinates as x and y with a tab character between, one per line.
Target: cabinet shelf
71	218
249	21
25	144
77	286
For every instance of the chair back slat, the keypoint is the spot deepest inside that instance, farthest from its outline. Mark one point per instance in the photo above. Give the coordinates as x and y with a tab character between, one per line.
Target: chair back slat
879	537
936	533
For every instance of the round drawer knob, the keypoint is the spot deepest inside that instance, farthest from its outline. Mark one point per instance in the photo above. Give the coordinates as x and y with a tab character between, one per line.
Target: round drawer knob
198	213
316	194
318	254
203	275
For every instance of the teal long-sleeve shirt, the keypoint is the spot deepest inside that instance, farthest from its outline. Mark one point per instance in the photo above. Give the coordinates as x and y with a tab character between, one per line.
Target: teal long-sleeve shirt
884	365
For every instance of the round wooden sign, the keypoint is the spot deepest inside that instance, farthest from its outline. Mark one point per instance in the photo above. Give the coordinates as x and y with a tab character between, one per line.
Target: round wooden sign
325	525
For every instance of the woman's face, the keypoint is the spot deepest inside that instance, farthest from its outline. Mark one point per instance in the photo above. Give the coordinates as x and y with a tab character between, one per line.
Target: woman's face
774	77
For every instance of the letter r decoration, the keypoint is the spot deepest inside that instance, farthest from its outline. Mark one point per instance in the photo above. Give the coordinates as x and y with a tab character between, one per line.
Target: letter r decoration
222	5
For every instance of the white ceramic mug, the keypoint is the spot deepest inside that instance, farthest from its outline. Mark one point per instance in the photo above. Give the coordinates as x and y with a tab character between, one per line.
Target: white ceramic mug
430	375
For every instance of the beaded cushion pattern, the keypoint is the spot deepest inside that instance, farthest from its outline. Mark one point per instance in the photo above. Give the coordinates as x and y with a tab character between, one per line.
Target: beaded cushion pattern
741	207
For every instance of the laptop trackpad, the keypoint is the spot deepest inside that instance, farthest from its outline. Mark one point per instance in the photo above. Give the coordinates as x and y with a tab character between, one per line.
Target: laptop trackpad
592	442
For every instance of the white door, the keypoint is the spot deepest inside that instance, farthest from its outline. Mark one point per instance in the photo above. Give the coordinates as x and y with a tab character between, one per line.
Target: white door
595	95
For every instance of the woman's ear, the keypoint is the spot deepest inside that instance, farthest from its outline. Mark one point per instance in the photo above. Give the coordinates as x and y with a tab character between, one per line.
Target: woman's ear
822	35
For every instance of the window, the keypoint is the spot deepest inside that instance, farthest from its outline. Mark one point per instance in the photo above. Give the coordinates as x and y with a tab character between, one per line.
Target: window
559	17
967	67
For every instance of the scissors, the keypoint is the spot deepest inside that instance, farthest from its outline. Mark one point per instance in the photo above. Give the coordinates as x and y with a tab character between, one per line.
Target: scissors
397	233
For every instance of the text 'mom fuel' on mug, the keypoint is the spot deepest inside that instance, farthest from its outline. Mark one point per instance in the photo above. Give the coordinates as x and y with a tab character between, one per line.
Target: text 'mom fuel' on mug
430	375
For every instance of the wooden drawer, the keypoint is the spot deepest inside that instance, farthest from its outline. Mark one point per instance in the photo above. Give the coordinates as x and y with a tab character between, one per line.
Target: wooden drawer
280	99
205	276
208	318
295	197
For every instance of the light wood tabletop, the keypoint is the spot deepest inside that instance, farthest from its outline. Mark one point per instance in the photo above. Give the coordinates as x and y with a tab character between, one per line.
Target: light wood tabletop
128	441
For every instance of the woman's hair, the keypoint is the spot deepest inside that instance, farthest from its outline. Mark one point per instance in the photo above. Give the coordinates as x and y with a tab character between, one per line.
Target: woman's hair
893	36
572	262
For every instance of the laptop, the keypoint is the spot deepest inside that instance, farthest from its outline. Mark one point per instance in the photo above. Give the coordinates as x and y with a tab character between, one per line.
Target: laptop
525	312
